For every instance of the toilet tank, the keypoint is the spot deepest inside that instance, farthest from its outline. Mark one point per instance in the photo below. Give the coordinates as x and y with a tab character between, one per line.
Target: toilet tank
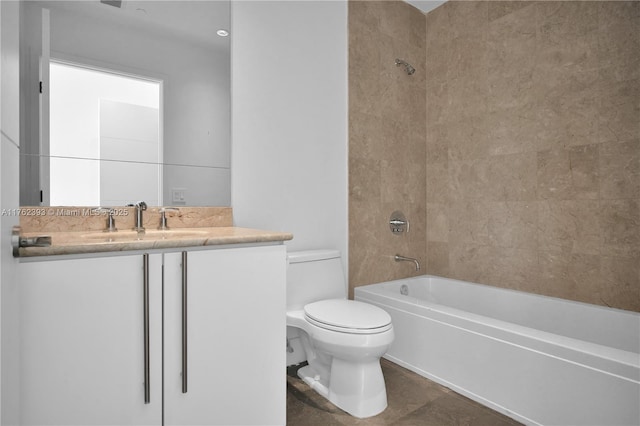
314	275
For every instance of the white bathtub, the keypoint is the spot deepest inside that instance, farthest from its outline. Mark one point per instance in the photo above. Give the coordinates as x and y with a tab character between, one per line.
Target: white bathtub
537	359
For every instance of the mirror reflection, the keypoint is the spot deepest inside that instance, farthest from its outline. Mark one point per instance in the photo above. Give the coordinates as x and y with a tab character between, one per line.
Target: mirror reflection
133	104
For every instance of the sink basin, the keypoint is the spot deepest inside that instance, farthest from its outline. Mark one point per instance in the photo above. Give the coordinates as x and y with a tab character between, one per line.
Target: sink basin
150	234
110	236
175	233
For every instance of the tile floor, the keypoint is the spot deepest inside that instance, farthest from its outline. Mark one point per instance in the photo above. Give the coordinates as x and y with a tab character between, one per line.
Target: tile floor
412	401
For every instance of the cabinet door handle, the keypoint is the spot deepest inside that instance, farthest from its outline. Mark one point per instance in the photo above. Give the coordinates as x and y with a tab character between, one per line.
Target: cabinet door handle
145	297
184	322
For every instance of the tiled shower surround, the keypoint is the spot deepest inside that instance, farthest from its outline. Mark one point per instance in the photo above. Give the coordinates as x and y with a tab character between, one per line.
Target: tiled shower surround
514	150
387	133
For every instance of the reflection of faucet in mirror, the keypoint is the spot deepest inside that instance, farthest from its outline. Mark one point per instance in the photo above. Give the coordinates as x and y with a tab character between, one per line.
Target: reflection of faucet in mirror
140	207
163	217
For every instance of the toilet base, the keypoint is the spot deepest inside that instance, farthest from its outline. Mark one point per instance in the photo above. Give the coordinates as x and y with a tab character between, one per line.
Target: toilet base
357	388
310	377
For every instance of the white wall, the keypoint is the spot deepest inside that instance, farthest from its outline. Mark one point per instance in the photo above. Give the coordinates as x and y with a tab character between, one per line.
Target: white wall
9	152
289	120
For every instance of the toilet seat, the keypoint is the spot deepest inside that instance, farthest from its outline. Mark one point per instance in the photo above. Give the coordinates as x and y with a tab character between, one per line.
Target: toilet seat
347	316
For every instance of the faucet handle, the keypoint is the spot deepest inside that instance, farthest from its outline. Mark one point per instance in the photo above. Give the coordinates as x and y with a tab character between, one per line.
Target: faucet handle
163	217
111	221
169	209
99	210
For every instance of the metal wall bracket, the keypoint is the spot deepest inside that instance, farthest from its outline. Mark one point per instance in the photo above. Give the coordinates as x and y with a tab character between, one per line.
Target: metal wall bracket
18	241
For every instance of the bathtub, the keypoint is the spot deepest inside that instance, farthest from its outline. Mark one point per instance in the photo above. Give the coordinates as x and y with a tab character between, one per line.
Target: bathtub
539	360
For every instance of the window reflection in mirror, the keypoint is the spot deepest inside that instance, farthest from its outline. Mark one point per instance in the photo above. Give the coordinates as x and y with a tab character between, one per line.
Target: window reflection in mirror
174	42
97	114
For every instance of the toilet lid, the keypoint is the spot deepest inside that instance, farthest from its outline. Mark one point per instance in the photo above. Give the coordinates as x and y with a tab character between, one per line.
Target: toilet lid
348	316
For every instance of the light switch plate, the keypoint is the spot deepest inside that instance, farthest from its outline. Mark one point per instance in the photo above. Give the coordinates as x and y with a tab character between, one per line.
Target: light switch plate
179	195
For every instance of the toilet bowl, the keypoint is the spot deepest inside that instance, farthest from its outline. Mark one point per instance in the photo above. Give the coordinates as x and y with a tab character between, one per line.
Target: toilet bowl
343	340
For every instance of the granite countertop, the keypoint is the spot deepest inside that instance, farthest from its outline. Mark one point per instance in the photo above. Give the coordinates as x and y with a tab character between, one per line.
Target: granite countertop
78	242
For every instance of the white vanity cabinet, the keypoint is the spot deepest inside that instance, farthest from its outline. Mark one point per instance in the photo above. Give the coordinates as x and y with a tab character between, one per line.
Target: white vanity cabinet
82	341
236	326
82	329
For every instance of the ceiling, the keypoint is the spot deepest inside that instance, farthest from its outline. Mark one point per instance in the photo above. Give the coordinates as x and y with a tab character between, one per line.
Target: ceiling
194	21
425	5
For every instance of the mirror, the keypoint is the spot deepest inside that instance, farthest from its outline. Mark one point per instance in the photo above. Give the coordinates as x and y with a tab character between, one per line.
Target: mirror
133	102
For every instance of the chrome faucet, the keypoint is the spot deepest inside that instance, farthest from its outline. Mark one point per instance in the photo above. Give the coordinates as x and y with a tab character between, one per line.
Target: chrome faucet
111	222
140	207
399	258
163	217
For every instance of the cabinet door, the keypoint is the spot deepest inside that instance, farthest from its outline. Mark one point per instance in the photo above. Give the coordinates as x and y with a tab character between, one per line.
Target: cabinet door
236	322
82	348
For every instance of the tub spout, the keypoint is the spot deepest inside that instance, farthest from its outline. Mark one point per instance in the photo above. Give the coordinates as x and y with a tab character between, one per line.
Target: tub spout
399	258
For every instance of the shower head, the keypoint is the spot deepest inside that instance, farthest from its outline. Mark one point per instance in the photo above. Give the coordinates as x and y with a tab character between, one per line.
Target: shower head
407	66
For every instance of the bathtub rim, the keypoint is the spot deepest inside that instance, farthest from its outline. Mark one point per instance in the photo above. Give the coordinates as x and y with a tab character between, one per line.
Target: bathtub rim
618	362
508	290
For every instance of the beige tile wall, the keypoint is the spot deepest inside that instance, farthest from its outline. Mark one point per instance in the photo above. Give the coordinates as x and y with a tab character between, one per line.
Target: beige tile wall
386	139
532	146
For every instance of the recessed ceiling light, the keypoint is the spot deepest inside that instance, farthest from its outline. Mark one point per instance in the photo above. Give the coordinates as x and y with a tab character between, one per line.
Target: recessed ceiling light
222	33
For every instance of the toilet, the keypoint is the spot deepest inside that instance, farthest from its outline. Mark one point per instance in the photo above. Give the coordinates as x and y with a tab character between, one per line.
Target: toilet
342	339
